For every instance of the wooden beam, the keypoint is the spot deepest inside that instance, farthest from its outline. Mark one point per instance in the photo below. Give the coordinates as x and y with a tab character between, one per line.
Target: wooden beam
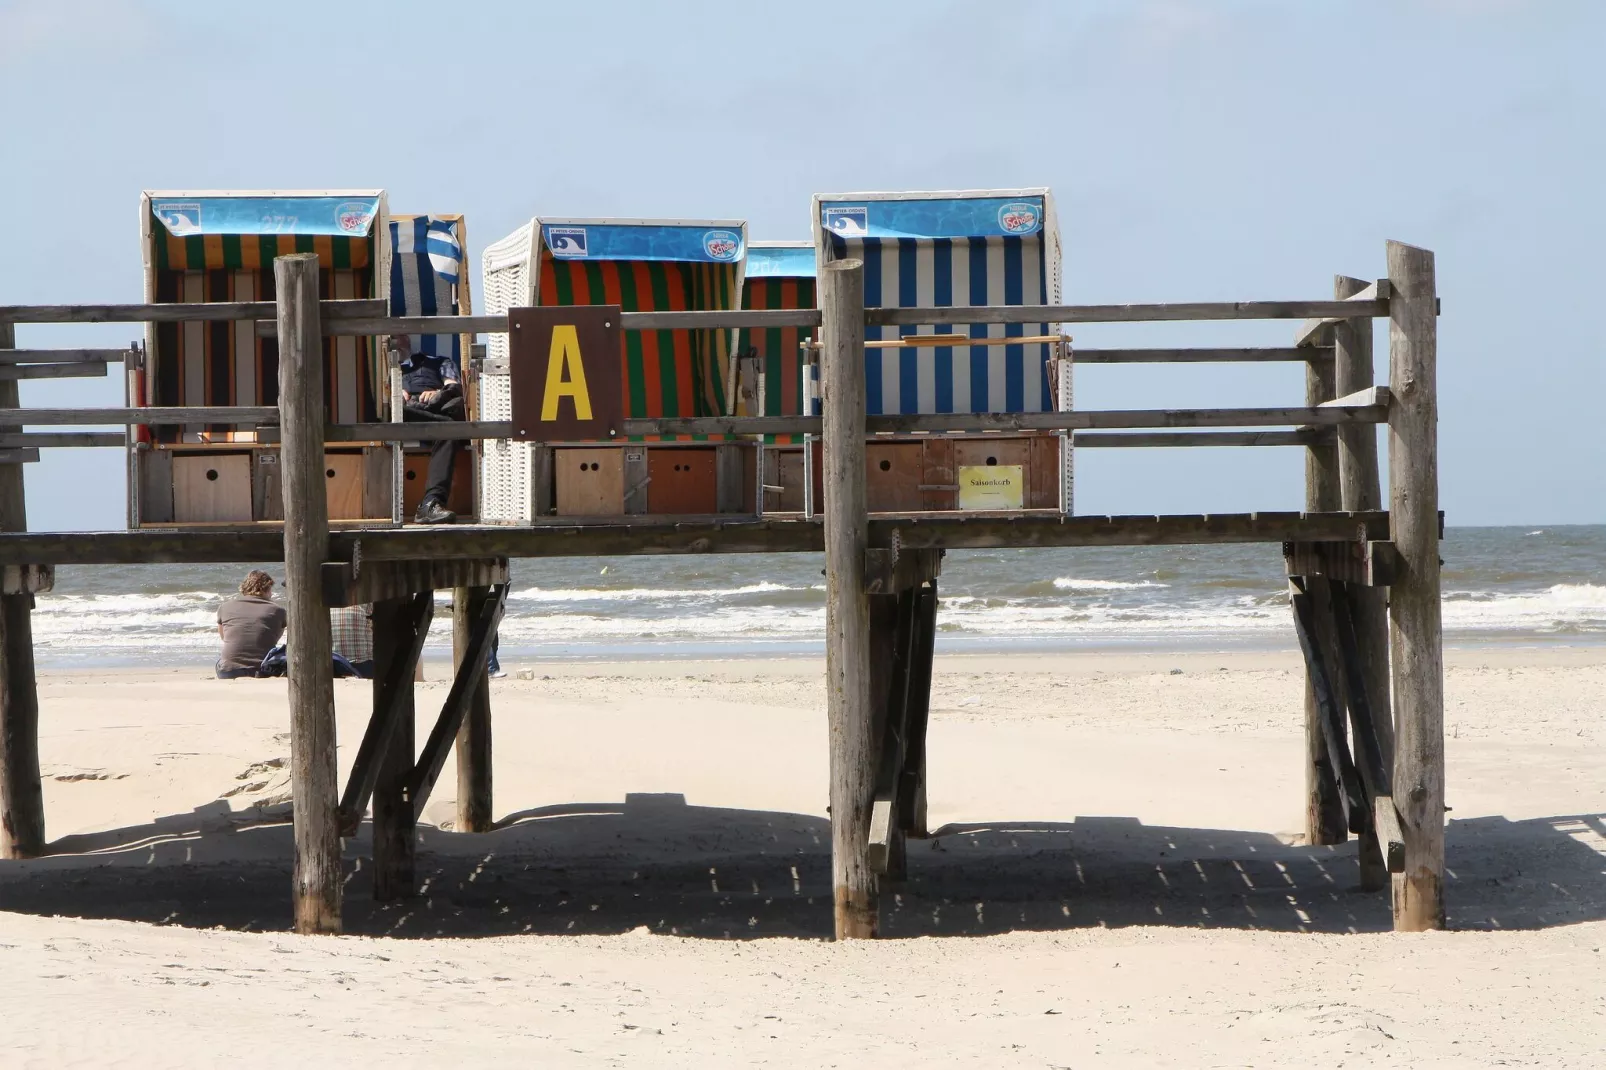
850	708
1316	332
1164	439
474	813
891	572
726	319
1415	613
348	584
1333	792
19	456
889	689
1199	310
1390	836
1086	419
210	312
65	356
1253	354
76	369
314	777
400	626
46	439
1359	488
1365	398
912	782
152	415
1326	820
433	758
574	537
27	579
1363	563
22	803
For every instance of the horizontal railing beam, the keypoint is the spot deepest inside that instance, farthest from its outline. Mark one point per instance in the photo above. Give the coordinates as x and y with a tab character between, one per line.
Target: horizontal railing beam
1202	356
1310	436
153	415
664	535
64	356
76	369
1200	310
179	312
52	440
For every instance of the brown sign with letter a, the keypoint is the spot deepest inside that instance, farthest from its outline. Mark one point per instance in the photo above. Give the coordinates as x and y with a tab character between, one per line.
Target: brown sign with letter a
564	371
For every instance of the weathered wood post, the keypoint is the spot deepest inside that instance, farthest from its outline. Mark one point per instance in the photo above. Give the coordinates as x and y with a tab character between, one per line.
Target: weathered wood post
1415	615
395	825
1360	490
849	707
22	802
1324	809
474	735
315	789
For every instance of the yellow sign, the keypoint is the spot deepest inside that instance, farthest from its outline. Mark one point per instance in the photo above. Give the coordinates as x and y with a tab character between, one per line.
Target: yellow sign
991	486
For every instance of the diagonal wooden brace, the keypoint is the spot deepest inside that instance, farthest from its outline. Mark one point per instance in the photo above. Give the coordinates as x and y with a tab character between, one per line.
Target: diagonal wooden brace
388	707
486	617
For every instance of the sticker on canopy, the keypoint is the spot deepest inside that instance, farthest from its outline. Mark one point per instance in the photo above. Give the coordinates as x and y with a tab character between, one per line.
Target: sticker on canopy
179	219
566	241
354	217
1018	217
848	222
722	244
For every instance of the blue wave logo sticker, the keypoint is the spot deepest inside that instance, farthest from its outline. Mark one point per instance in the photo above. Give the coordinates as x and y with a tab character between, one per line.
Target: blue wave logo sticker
848	222
353	217
722	244
179	219
566	241
1019	218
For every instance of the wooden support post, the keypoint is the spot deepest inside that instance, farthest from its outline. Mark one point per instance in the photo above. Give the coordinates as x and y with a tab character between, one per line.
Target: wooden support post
1415	615
385	760
889	690
847	641
474	735
912	787
1324	809
470	673
314	776
1359	489
22	802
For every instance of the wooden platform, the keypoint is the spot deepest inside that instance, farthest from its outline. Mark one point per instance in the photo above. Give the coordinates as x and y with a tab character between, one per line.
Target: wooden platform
693	535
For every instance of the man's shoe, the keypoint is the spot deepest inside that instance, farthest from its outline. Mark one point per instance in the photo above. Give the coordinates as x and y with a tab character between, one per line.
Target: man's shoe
433	512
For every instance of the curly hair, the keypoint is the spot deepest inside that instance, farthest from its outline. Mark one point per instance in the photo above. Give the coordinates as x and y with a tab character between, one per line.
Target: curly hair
257	584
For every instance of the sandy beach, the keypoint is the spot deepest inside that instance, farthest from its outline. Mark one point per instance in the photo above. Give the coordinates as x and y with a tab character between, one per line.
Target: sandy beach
1117	879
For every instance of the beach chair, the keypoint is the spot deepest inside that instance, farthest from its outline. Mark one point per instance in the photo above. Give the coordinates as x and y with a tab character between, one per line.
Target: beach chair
219	246
429	277
775	369
958	249
642	266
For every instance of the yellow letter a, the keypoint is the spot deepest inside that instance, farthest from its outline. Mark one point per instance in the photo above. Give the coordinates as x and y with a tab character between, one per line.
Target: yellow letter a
565	375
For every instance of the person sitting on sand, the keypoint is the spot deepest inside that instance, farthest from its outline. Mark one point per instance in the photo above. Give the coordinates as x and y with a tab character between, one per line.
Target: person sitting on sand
351	632
250	626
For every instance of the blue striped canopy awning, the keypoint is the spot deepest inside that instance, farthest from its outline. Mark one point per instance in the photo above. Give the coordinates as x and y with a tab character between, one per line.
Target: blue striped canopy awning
942	251
425	266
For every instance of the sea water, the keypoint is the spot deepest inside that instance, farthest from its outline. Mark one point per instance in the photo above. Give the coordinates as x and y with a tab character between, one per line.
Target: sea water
1509	585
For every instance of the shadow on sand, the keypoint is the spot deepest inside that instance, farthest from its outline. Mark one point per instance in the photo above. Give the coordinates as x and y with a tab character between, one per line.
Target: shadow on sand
654	861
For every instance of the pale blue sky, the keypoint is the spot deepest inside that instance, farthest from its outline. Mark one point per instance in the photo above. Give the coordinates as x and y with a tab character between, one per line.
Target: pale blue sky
1197	150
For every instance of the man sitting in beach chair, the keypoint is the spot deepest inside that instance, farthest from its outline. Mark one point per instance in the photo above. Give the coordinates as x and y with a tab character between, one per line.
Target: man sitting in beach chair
432	389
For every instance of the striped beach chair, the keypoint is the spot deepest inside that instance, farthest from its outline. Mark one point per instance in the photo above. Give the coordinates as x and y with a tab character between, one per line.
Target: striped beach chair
937	250
955	250
211	247
780	275
642	266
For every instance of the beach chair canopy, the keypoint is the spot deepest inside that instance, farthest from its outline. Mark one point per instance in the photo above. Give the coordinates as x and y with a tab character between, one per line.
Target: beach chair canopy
780	275
219	246
642	266
935	250
429	276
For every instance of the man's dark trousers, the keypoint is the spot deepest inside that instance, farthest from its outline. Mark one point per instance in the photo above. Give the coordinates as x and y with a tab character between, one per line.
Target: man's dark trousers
442	455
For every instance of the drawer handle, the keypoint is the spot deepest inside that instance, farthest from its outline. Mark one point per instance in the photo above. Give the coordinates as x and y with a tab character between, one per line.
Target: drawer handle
939	486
